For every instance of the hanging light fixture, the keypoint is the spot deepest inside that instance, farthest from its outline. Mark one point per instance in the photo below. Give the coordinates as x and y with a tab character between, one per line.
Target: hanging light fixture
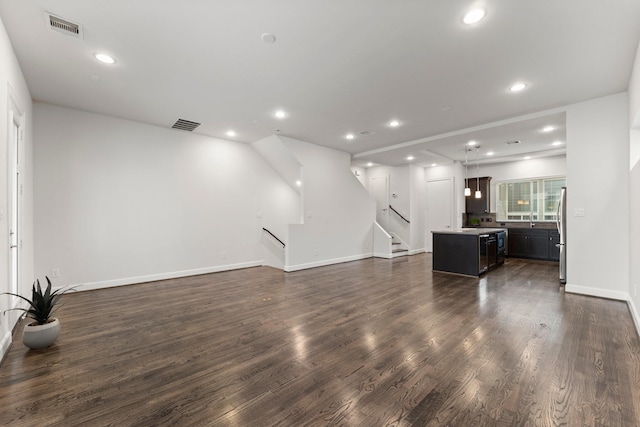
478	192
467	190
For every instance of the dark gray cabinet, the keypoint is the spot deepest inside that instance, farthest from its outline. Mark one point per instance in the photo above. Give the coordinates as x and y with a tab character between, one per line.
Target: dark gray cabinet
481	205
456	253
534	243
471	253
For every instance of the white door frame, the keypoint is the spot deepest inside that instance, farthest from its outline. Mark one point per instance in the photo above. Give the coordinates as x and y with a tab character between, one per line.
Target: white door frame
15	156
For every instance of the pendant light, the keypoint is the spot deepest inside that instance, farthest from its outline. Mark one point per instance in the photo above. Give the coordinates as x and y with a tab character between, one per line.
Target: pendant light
467	190
478	192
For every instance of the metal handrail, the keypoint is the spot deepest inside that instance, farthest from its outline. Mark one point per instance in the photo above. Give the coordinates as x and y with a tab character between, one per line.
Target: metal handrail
398	213
274	236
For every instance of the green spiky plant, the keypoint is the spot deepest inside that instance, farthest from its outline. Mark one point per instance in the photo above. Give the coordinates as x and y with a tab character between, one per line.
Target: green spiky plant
42	305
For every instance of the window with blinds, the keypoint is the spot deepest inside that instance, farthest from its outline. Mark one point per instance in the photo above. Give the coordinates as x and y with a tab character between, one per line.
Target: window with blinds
528	200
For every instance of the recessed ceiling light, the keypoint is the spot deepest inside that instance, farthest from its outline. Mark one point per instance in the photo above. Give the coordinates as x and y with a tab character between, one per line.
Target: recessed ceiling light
556	143
299	183
473	16
349	136
280	114
410	157
394	123
527	157
231	133
433	165
103	57
268	38
471	143
517	87
369	164
490	153
548	129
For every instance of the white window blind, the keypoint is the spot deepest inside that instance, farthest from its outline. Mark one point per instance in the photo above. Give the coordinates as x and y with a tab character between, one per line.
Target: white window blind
533	199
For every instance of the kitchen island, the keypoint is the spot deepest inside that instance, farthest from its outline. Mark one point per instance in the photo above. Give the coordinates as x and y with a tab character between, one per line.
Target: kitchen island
468	251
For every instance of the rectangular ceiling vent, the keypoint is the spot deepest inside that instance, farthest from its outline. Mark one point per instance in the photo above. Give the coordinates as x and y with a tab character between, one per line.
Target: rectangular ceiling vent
187	125
63	26
512	142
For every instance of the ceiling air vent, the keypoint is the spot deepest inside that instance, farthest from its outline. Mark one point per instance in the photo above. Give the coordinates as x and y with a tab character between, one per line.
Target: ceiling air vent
63	26
512	142
187	125
365	132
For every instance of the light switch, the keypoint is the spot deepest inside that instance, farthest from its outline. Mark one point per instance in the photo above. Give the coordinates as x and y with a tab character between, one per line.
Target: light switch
579	212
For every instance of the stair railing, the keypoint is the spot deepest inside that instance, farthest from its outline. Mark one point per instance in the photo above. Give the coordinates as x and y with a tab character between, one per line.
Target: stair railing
398	213
274	236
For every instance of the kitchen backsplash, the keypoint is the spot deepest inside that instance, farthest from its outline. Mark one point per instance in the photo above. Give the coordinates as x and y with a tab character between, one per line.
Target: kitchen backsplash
479	220
489	220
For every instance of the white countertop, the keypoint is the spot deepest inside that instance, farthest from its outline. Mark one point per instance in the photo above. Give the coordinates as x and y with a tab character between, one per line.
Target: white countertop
469	231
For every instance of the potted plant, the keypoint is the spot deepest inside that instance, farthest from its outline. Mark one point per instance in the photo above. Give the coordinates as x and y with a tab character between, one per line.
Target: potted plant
44	329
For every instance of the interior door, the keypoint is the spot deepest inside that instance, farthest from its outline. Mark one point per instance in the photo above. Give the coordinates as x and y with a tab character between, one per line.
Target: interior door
380	191
439	207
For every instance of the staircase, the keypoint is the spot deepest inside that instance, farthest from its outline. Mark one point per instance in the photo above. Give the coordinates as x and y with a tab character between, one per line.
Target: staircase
398	248
387	245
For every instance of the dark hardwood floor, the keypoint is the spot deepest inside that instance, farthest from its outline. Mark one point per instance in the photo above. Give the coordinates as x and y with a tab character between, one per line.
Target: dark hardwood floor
368	343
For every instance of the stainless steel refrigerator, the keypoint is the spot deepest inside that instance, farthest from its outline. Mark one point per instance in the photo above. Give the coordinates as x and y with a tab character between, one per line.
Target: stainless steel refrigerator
562	229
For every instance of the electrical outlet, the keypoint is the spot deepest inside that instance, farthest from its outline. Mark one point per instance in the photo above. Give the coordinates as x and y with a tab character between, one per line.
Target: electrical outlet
55	272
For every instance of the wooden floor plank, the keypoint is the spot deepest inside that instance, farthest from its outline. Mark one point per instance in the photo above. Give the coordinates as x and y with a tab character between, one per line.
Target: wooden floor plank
368	343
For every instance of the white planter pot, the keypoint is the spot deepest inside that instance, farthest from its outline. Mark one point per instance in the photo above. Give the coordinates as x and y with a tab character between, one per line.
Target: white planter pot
41	336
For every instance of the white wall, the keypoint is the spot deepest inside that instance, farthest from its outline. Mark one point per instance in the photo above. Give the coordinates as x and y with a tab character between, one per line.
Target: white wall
634	191
634	92
12	80
122	202
361	174
338	211
598	182
634	240
418	208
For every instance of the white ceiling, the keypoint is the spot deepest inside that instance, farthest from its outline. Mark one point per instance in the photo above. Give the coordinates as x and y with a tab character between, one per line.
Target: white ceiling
336	67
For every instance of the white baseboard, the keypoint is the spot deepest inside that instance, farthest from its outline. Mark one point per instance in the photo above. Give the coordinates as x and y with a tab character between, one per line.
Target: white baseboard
634	315
290	268
4	344
164	276
417	251
382	255
597	292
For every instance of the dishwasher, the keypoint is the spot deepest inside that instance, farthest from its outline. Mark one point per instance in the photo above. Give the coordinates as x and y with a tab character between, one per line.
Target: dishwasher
487	253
